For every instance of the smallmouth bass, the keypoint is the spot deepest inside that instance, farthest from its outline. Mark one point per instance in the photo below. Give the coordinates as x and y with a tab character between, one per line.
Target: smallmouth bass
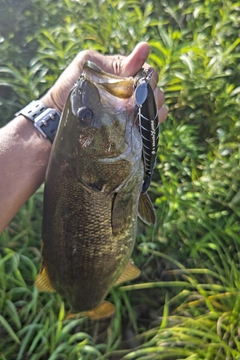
92	194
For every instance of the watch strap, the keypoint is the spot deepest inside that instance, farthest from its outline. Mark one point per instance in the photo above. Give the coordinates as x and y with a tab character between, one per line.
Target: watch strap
32	110
47	123
45	119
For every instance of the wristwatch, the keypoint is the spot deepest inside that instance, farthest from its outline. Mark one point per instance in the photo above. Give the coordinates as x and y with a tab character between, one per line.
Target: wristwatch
45	119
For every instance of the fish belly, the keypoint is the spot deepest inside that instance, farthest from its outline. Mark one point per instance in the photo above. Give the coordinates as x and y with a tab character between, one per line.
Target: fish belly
88	236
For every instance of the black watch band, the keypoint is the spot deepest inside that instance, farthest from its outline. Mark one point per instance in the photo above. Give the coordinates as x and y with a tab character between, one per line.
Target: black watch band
45	119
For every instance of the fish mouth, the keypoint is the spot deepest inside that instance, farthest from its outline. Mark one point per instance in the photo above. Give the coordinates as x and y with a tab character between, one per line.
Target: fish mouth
116	96
108	84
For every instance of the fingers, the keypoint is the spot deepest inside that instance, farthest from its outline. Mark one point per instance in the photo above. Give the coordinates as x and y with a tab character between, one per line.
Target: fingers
162	110
162	114
133	62
154	80
159	97
121	65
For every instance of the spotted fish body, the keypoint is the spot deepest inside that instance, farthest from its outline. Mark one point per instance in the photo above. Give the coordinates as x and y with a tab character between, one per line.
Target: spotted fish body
92	192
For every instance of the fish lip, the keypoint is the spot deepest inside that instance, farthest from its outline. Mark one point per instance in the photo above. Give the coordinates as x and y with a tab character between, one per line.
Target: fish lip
120	87
94	73
115	92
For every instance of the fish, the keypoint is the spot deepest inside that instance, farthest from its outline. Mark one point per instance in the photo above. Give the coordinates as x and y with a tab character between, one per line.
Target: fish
93	194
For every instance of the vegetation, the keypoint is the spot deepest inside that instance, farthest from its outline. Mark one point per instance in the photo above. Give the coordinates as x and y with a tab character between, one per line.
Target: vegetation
186	304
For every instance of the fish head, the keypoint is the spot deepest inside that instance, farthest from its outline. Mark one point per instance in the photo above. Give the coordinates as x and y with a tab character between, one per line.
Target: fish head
103	108
98	127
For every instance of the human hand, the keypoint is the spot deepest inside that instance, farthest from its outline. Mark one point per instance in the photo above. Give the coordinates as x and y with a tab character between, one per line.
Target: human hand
116	64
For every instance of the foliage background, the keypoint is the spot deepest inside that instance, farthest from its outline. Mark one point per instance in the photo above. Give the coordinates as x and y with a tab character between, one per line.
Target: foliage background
186	303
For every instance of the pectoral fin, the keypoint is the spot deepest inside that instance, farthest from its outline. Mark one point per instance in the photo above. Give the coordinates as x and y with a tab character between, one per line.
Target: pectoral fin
146	211
130	272
43	282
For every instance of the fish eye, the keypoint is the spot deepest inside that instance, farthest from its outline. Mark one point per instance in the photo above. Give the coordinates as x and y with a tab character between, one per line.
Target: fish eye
85	115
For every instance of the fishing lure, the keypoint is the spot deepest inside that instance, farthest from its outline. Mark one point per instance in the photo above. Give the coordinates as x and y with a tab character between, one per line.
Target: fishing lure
148	123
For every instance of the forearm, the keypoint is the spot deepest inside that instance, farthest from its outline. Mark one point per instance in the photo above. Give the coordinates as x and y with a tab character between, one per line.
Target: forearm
24	155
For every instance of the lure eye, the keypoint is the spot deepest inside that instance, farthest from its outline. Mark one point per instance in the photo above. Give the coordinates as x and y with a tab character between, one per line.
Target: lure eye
85	115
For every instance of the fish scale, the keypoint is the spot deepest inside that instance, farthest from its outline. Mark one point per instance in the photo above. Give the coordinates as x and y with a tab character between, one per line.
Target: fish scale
89	239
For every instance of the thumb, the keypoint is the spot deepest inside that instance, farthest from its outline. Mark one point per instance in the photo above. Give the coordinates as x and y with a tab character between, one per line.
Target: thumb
122	65
133	62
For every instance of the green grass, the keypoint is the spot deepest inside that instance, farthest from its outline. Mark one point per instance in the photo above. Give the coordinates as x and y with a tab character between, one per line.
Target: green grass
186	304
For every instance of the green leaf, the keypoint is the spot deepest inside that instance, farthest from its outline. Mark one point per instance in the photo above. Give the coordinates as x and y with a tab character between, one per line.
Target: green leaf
9	329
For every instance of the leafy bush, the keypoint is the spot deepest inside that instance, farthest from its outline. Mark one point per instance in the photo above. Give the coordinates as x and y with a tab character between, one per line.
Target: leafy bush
186	303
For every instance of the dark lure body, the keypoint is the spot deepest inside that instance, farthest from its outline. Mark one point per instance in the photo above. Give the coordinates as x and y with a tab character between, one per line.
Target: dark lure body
91	197
148	123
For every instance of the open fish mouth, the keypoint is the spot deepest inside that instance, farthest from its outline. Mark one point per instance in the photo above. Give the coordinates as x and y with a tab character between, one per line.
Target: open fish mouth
109	86
122	87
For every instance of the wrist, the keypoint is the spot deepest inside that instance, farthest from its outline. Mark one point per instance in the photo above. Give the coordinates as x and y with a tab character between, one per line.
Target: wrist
48	101
24	129
24	156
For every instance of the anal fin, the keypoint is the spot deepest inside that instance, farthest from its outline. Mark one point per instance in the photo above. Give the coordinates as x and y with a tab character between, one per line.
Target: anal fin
129	273
43	282
105	309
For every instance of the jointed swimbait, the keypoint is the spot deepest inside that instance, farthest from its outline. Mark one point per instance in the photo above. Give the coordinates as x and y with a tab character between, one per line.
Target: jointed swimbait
148	123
